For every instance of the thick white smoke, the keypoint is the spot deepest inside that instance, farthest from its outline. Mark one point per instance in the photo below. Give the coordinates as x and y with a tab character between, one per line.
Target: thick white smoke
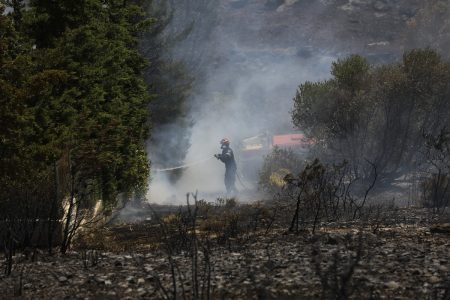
253	60
249	95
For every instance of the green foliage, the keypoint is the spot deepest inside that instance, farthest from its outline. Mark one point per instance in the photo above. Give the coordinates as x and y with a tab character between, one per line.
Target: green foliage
350	73
376	113
104	102
335	103
169	85
179	52
73	104
312	101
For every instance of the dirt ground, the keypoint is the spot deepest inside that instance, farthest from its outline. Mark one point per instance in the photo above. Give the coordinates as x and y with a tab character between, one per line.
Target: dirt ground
407	260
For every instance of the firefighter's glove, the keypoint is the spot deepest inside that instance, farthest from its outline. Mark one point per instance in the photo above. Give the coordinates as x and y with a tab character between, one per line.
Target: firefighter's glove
218	156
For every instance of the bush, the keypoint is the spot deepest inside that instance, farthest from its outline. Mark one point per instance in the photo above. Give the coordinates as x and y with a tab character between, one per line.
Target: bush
277	165
436	191
376	113
436	186
323	192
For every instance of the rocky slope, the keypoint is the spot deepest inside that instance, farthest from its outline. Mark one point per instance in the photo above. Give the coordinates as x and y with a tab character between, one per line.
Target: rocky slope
379	29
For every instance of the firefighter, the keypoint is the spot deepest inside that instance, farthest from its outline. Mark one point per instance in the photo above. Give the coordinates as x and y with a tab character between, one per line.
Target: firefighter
227	157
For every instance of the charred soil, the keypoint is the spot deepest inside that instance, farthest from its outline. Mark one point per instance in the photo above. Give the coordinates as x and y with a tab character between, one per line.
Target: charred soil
405	258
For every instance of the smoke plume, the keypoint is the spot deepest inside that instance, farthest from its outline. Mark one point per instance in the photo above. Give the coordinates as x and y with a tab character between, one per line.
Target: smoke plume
248	58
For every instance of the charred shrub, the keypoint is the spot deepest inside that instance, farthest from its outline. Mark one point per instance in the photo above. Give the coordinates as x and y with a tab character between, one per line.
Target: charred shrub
436	191
277	165
436	185
229	221
376	112
323	193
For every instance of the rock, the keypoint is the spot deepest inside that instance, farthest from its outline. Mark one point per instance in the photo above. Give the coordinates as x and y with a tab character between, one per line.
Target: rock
442	268
334	239
381	43
404	259
27	286
131	279
392	285
238	3
346	7
141	292
416	272
290	2
141	281
285	5
62	279
273	4
148	268
123	285
434	279
108	282
380	6
118	263
100	279
442	228
408	11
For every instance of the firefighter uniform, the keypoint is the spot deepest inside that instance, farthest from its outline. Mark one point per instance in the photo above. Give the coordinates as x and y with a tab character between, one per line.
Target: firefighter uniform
227	157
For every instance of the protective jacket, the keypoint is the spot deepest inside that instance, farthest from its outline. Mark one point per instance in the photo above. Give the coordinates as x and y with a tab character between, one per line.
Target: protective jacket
227	157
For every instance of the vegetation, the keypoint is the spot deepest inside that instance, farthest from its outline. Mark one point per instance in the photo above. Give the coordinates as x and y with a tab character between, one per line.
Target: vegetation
74	103
376	113
74	113
178	60
278	164
436	185
75	97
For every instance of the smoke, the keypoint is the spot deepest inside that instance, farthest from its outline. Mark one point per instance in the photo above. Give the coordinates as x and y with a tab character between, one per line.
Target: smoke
246	90
248	58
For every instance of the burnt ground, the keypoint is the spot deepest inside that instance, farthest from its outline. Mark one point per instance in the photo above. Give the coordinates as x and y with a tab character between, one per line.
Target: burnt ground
405	259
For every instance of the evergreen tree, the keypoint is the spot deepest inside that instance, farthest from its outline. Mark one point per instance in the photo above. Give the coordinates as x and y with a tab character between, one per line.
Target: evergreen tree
74	107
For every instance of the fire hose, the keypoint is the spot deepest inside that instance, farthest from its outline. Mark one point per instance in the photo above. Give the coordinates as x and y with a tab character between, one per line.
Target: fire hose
194	164
240	181
183	166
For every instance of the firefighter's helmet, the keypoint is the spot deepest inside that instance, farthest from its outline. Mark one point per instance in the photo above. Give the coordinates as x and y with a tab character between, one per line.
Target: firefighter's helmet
225	141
